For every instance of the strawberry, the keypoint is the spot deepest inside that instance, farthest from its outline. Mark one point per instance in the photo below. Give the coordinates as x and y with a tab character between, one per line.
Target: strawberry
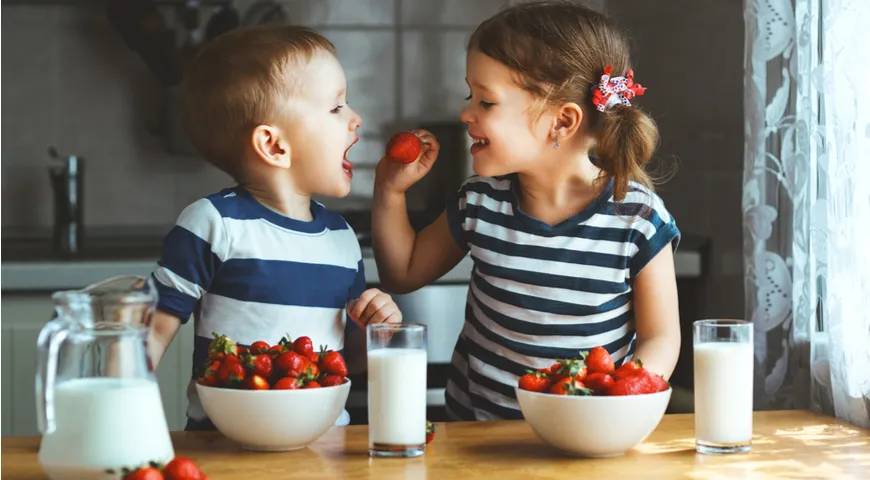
563	386
598	360
259	364
404	147
599	382
535	382
303	346
290	362
287	383
145	473
221	346
332	362
256	382
430	431
209	375
275	350
628	369
657	382
332	380
313	356
231	373
182	468
312	384
636	385
259	347
311	369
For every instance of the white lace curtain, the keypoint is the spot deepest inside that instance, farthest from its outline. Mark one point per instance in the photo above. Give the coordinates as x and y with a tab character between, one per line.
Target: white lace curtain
806	204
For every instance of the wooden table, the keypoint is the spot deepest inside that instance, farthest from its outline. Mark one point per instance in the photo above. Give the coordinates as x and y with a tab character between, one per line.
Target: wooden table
787	444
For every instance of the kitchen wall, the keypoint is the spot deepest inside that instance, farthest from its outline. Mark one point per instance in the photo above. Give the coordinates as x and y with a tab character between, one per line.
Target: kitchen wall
70	82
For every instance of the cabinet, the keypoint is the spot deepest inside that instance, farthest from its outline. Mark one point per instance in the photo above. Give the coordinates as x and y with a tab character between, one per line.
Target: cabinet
23	316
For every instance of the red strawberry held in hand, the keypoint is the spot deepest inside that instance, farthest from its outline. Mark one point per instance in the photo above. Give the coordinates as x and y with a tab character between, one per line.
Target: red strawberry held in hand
332	362
404	147
535	382
598	360
182	468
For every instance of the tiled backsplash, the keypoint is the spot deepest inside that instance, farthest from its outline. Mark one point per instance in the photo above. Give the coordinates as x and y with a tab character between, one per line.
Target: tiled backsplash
70	82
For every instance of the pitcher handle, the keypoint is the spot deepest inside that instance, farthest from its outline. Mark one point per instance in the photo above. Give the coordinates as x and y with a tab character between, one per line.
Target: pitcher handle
50	338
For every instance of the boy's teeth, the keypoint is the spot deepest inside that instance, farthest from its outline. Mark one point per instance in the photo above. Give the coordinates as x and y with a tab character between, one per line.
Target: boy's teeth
481	141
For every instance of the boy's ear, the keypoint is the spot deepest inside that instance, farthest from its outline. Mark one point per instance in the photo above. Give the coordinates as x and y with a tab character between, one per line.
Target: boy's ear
568	119
271	146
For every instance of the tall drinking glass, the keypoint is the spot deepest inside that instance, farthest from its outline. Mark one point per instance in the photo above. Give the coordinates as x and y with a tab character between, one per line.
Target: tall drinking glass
723	354
396	389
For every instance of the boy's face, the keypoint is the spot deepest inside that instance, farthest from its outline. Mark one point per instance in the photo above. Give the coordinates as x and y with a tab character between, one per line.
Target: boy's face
500	117
322	128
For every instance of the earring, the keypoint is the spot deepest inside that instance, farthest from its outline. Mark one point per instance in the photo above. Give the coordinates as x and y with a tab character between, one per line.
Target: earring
556	142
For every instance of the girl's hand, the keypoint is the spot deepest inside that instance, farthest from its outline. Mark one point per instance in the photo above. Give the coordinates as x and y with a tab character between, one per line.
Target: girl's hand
373	306
398	177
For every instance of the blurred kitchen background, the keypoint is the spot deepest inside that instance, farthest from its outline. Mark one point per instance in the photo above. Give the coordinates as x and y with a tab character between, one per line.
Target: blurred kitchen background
73	84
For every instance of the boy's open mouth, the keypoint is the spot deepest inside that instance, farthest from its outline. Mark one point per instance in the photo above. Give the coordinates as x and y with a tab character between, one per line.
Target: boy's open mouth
345	164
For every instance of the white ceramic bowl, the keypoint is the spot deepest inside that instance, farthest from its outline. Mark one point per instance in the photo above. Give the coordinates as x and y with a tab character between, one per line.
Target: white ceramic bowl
593	426
273	420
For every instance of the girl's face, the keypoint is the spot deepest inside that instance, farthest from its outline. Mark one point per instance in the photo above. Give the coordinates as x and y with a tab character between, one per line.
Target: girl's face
509	136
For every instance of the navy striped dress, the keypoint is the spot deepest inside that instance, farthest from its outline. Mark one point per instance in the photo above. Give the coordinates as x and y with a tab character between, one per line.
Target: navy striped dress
540	292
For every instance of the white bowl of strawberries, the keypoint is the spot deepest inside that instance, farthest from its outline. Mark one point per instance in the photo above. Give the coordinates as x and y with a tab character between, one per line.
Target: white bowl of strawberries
585	407
272	397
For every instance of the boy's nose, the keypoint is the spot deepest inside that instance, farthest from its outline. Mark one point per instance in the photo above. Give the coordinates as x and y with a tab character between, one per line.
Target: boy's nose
465	116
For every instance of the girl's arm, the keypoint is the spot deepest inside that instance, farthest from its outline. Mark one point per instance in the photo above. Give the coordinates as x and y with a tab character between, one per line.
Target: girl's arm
406	260
657	315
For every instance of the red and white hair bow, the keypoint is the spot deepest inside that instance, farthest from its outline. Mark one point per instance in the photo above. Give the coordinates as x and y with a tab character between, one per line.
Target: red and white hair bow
612	91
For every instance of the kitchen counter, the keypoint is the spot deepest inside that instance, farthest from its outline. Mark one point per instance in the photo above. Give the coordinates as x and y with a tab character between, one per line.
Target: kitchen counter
787	444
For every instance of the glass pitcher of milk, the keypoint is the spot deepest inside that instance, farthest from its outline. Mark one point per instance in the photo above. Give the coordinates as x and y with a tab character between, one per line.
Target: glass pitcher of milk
98	403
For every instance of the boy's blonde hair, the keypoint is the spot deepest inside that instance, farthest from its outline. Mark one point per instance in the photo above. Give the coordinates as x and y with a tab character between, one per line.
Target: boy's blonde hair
240	80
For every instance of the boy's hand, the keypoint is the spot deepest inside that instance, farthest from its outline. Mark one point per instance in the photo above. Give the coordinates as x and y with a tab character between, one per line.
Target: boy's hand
398	177
373	306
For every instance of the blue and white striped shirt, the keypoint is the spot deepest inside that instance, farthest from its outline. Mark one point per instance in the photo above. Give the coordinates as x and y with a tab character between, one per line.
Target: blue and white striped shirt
247	272
540	292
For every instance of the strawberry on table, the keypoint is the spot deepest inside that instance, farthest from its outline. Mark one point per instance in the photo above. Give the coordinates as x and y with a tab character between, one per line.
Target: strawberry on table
182	468
145	473
430	431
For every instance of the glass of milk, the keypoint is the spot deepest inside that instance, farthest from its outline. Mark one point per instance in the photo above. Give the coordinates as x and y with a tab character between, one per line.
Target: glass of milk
723	352
396	389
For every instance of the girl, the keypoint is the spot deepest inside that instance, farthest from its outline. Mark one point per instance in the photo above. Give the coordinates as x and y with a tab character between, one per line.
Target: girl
570	250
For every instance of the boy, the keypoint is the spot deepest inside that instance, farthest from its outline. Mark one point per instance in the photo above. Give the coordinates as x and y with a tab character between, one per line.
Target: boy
260	260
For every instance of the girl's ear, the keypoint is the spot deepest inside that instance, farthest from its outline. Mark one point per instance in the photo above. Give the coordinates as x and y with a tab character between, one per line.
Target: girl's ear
568	119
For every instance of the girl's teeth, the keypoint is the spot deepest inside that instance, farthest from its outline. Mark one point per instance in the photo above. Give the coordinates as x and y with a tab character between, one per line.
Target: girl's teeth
481	141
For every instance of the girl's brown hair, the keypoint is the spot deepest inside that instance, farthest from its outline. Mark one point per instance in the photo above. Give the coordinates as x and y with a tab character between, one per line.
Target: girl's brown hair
559	50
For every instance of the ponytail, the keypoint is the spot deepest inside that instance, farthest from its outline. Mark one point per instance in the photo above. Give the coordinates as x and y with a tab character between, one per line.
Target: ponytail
627	139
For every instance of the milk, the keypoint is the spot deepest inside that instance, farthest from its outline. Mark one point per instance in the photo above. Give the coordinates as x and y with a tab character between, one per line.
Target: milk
397	396
723	393
105	423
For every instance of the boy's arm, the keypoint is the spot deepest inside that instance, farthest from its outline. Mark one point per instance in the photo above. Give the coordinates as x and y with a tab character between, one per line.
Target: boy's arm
407	260
193	252
164	327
